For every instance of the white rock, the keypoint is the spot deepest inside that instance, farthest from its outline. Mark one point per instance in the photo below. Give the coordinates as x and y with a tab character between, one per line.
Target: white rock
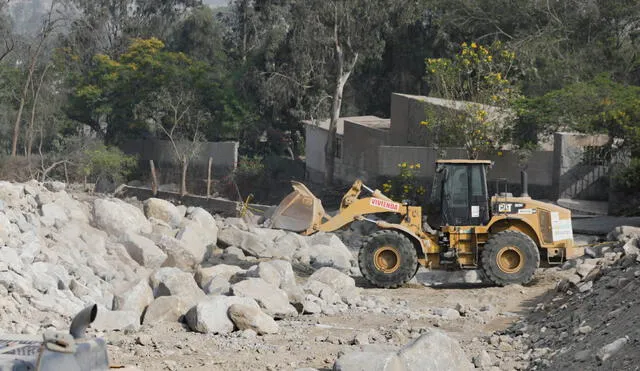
54	213
234	253
369	361
482	360
217	286
320	255
202	217
434	350
179	254
165	309
197	239
623	233
163	210
338	281
174	282
143	250
204	275
312	304
273	300
287	245
210	315
267	272
631	246
117	217
252	318
248	242
612	348
13	282
267	234
584	269
11	258
135	298
161	228
107	320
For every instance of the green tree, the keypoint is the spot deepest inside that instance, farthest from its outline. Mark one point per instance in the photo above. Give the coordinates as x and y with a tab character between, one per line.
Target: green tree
109	94
600	105
480	92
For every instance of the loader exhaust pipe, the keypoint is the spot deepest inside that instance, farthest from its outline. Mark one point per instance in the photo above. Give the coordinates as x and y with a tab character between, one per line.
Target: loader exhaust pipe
524	181
82	320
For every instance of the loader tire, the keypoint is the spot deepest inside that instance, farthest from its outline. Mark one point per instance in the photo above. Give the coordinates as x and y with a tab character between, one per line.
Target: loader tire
388	259
510	257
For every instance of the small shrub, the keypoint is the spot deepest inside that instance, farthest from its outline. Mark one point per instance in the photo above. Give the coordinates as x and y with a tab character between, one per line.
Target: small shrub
249	167
103	162
404	187
626	180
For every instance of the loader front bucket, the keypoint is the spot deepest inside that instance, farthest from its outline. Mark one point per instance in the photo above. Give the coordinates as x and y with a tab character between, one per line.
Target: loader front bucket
299	211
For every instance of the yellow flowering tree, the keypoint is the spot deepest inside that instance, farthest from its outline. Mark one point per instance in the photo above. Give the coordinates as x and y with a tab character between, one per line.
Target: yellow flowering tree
405	186
479	85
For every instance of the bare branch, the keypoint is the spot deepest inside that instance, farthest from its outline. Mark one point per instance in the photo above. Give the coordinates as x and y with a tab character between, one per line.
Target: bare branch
278	74
9	45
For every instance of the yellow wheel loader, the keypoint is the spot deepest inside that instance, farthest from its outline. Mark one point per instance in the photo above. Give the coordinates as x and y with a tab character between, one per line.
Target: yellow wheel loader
503	236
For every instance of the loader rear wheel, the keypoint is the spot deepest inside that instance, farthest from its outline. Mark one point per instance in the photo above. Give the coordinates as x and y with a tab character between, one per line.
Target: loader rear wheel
510	257
388	259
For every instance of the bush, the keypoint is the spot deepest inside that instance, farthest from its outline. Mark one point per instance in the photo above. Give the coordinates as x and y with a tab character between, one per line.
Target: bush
17	169
250	167
626	180
103	162
405	186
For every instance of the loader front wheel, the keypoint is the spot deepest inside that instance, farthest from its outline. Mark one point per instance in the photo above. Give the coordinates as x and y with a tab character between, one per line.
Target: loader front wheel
388	259
510	257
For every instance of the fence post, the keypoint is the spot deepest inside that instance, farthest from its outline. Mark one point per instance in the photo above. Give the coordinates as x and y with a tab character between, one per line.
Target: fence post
209	177
154	179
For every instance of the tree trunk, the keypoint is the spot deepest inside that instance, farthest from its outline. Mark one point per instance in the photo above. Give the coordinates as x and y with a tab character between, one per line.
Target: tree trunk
16	126
183	182
330	146
33	114
342	75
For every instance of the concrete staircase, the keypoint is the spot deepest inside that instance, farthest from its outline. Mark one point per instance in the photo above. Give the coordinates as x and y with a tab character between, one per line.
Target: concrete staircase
583	207
585	181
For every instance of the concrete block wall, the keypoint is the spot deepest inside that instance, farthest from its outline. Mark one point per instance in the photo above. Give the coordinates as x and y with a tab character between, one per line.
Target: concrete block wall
224	154
540	168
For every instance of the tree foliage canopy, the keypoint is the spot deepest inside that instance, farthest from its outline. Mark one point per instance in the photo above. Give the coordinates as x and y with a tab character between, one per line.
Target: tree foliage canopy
255	68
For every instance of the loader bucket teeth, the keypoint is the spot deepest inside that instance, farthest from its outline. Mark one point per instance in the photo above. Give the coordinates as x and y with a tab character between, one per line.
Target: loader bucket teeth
299	211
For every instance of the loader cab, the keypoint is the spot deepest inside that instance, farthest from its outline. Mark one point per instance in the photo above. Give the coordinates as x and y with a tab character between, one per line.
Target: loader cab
459	194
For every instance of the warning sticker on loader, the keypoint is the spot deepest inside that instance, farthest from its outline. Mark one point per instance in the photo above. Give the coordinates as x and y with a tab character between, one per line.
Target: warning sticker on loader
561	229
385	204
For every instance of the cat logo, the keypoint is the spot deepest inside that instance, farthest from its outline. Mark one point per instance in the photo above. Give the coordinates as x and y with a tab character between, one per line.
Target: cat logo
504	208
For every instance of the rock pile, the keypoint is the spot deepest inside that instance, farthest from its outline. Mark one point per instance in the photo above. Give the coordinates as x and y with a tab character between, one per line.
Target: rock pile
433	350
591	322
154	263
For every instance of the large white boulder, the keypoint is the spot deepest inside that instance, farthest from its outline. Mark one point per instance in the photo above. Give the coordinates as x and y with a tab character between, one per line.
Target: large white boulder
434	350
143	250
338	281
249	242
273	300
197	238
163	210
174	282
135	298
118	217
165	309
251	318
211	314
181	255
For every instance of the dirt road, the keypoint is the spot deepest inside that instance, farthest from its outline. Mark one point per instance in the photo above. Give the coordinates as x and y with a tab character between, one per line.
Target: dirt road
384	319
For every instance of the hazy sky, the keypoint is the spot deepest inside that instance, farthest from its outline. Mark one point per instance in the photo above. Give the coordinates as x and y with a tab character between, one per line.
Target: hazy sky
216	2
